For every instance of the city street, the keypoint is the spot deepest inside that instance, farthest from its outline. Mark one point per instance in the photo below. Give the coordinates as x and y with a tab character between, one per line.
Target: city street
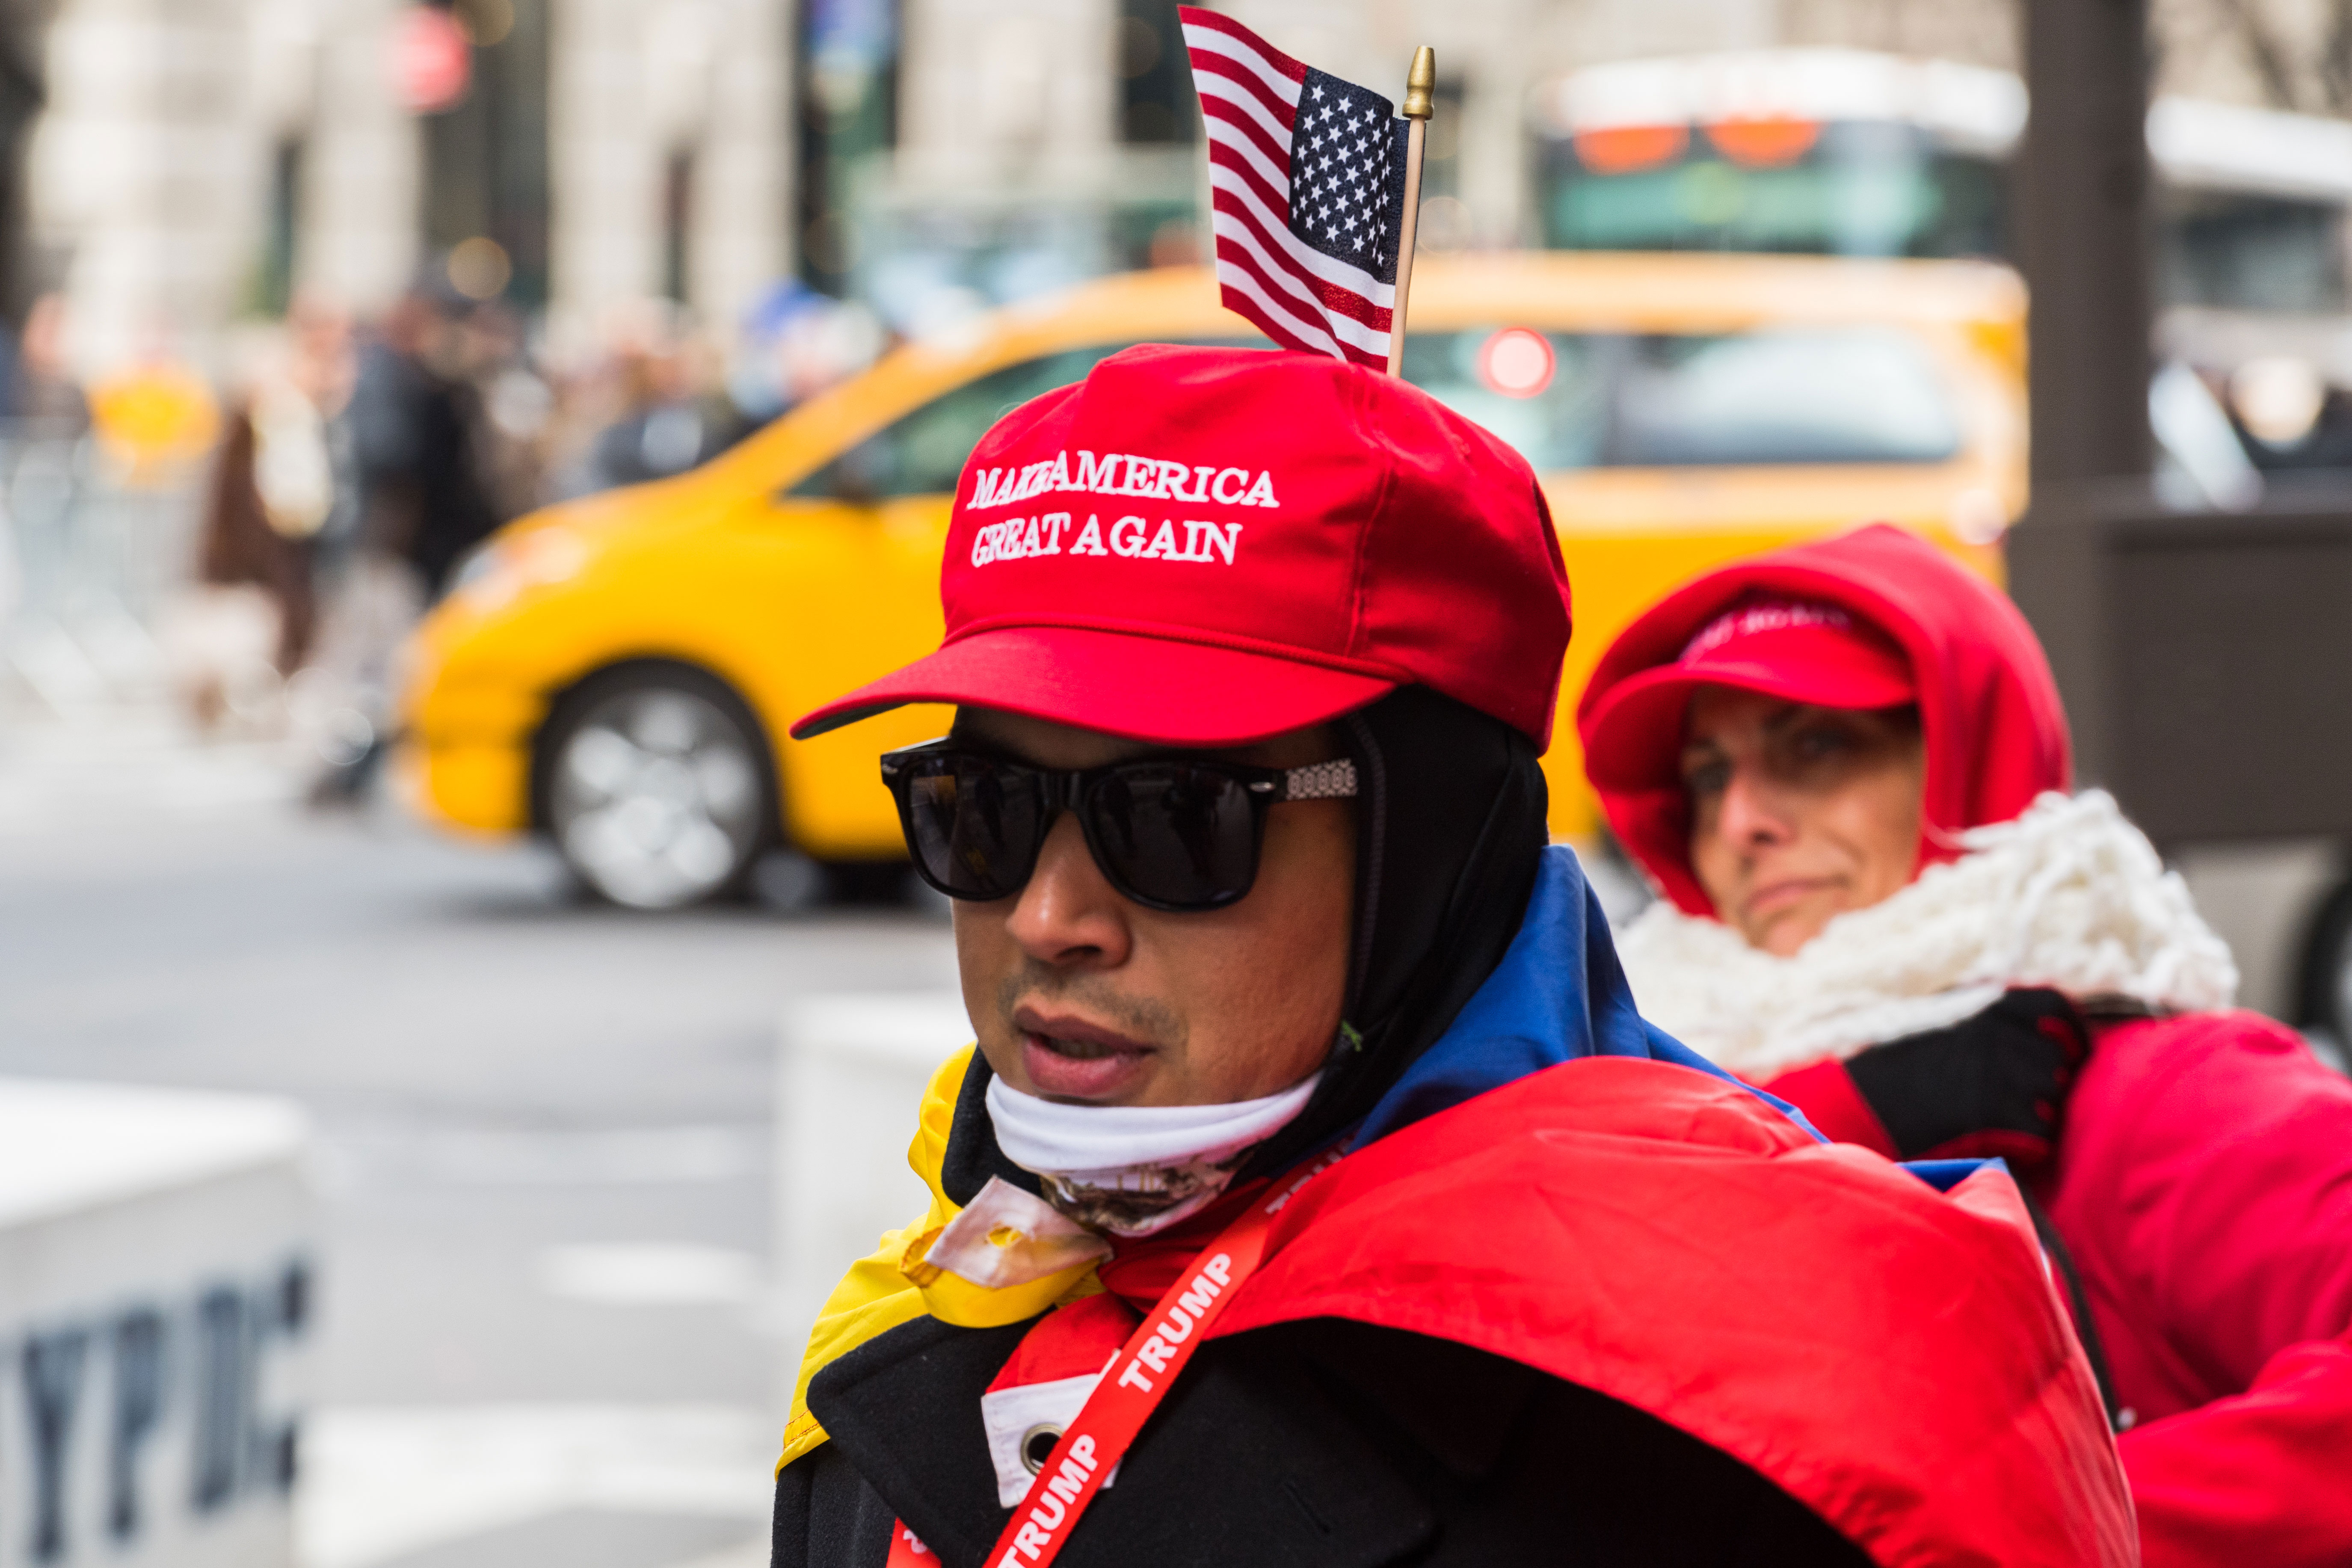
543	1131
1649	723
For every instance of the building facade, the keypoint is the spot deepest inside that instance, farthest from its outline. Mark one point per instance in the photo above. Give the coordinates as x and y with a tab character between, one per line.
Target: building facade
195	161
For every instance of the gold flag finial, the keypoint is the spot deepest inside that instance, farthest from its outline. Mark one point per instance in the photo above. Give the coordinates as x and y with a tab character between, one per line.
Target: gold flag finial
1420	84
1420	103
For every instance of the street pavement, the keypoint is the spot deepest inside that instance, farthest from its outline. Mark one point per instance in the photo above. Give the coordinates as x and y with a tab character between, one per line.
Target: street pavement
546	1329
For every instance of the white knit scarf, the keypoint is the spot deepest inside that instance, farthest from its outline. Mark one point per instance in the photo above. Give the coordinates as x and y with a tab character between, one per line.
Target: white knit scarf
2070	895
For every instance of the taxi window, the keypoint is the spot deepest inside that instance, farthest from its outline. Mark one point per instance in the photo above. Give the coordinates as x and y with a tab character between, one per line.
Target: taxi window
1546	394
923	453
1851	396
1621	400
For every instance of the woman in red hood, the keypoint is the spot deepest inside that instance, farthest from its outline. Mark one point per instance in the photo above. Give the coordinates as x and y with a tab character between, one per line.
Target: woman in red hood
1844	765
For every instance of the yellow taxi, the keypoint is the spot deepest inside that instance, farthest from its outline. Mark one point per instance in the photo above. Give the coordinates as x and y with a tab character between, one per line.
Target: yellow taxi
617	672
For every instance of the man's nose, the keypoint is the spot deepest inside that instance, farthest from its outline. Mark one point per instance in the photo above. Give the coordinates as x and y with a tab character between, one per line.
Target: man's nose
1069	914
1750	816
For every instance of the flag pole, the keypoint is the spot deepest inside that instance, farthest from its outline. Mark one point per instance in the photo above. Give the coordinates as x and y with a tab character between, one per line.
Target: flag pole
1420	85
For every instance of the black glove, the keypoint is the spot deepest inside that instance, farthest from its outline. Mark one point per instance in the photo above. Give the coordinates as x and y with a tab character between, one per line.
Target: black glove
1994	1084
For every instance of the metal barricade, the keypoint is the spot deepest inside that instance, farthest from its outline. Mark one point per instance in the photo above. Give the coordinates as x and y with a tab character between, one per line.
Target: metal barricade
89	562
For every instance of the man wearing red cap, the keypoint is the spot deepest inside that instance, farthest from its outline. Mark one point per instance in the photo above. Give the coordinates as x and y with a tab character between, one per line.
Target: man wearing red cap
1845	767
1314	1194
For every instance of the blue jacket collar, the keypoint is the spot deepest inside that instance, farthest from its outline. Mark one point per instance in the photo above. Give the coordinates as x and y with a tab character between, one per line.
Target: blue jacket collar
1559	994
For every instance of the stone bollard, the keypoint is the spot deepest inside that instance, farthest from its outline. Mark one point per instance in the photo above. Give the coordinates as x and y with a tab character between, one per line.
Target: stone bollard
156	1298
850	1075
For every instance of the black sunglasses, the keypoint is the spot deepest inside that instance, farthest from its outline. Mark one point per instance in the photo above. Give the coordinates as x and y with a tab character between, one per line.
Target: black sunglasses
1170	833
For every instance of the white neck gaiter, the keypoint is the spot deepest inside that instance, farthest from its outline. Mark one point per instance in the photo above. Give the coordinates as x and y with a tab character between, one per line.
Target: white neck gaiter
1131	1169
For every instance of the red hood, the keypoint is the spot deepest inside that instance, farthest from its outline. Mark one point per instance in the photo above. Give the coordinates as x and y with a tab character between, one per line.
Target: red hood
1995	732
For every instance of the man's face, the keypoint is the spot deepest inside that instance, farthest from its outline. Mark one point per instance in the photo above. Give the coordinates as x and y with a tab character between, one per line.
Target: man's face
1079	994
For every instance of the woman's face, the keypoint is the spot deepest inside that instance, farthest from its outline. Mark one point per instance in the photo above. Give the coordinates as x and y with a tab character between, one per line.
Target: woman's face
1799	813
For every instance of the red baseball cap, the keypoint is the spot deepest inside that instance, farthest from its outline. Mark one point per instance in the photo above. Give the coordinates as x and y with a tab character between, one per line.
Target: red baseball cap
1803	651
1205	547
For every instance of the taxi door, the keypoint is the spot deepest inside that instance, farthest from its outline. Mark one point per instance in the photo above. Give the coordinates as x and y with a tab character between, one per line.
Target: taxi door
871	524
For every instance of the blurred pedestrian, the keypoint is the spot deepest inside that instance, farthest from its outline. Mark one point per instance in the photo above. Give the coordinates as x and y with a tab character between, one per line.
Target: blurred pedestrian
757	382
42	391
420	498
2288	416
418	442
519	408
1278	1068
269	504
674	413
1844	765
245	540
794	343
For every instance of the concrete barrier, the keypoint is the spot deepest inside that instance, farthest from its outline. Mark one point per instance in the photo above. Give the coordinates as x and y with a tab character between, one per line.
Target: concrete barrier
156	1283
850	1076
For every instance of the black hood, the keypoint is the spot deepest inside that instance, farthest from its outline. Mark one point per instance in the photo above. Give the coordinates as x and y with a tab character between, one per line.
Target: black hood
1449	823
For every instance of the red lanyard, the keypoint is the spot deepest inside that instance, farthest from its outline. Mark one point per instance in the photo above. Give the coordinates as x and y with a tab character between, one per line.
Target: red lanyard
1149	1363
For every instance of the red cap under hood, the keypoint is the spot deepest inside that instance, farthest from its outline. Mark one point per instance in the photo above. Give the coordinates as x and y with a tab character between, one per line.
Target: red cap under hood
1995	732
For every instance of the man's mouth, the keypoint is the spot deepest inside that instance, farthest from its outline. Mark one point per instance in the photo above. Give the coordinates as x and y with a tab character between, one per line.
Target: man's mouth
1067	1058
1076	1049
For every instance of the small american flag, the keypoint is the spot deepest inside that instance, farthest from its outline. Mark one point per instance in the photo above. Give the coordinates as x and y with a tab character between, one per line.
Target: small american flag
1306	176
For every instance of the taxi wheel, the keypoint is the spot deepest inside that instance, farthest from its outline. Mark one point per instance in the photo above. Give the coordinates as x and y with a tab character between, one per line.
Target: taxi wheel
654	782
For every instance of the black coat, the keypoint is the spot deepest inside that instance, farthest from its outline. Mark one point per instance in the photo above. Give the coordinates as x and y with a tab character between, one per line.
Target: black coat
417	445
1326	1443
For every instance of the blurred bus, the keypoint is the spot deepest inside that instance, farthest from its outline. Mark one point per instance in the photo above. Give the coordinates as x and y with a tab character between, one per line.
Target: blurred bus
1845	152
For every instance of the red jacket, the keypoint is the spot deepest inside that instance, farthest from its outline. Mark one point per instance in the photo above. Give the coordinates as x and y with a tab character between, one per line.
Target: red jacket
1873	1396
2203	1186
2203	1180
